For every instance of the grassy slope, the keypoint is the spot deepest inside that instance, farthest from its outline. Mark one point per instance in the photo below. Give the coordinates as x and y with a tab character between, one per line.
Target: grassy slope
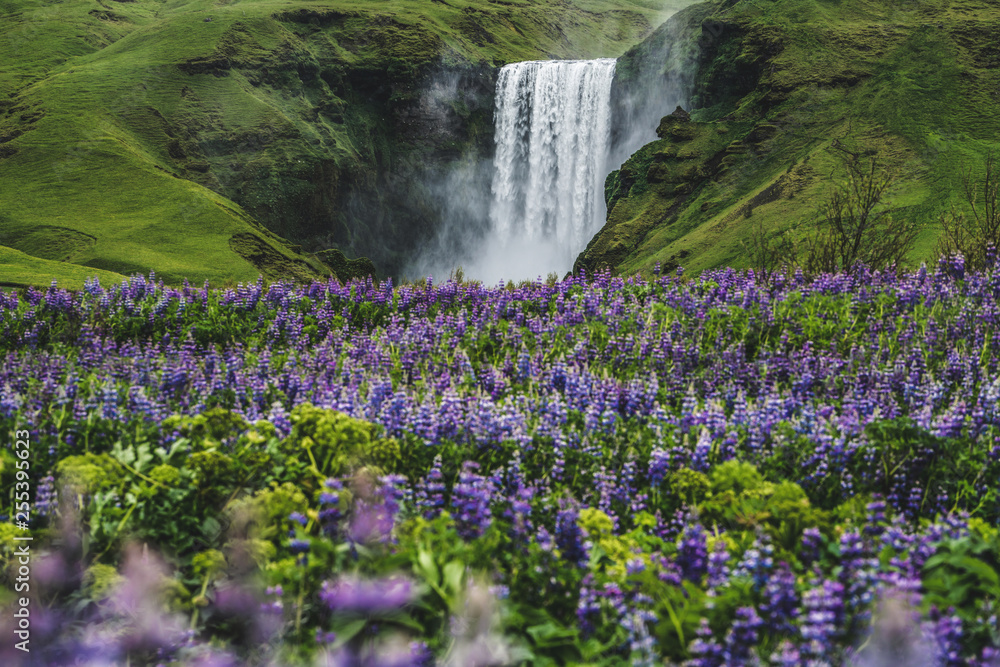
118	119
20	270
917	83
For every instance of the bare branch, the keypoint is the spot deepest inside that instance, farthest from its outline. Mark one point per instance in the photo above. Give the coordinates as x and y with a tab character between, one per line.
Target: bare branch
977	238
858	226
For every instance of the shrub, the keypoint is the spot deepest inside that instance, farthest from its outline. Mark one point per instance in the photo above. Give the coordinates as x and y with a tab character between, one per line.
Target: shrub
975	237
858	226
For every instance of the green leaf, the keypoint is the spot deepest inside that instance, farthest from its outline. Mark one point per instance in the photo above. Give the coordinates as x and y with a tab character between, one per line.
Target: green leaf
454	575
347	630
175	449
126	456
211	528
405	620
978	567
427	567
550	634
675	621
143	456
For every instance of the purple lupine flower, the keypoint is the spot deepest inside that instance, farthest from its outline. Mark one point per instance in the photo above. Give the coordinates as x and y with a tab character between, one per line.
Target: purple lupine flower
330	514
823	611
370	521
742	637
857	570
430	491
471	500
705	651
875	524
299	546
781	601
787	655
570	537
692	552
812	541
757	563
323	637
668	571
46	499
588	608
273	606
718	570
947	633
641	644
519	514
351	594
421	655
545	540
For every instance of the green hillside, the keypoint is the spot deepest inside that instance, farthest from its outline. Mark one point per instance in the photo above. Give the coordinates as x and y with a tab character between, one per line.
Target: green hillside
184	136
783	91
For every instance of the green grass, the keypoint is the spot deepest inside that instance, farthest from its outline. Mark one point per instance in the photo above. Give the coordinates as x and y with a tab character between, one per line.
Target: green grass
126	129
916	83
20	270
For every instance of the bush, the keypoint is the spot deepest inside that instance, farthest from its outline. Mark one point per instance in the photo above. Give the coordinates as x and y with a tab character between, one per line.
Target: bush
858	227
977	237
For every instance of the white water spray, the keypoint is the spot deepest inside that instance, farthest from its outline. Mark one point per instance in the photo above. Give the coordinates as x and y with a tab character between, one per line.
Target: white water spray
552	131
552	125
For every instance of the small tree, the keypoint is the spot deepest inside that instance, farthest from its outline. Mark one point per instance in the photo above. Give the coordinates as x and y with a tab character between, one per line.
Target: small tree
858	226
977	238
768	253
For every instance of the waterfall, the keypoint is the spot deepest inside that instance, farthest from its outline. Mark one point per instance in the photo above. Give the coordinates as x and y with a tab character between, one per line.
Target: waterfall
546	198
552	126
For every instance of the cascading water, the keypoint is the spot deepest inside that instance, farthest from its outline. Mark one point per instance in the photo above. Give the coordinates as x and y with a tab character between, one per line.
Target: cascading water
553	122
552	126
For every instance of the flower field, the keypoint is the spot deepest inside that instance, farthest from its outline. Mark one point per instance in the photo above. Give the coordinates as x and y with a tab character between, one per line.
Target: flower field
707	472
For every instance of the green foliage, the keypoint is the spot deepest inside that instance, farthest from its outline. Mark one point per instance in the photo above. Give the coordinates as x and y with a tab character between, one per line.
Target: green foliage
209	564
964	576
689	485
89	473
100	580
165	475
783	83
735	476
211	467
215	493
331	442
977	236
277	503
216	424
175	138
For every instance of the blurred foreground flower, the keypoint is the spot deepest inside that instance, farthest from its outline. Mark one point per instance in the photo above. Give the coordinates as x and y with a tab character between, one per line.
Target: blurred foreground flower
477	639
351	594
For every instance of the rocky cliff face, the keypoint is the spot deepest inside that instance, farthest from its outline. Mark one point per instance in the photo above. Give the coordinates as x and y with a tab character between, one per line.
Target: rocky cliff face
356	167
778	93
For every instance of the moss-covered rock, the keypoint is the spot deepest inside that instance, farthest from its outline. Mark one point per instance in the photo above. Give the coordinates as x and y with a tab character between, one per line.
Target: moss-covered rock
653	185
347	269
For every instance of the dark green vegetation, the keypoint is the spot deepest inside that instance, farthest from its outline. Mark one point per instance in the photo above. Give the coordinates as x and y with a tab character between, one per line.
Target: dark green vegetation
782	93
182	137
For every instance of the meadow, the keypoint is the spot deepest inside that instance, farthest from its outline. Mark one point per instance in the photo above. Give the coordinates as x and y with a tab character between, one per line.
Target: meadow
606	471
